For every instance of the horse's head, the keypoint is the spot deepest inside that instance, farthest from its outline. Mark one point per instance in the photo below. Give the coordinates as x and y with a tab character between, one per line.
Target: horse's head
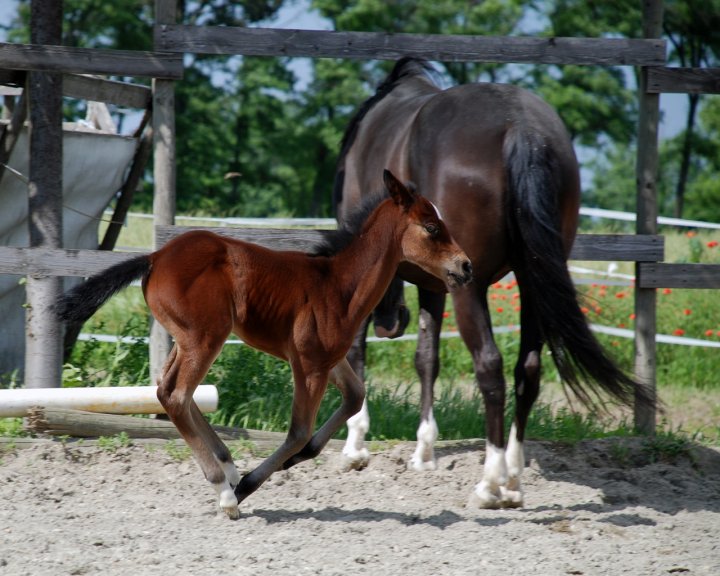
426	242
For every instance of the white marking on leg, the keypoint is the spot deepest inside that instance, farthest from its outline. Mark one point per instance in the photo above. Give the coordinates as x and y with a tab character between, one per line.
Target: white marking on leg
424	456
487	492
355	455
231	472
512	494
226	499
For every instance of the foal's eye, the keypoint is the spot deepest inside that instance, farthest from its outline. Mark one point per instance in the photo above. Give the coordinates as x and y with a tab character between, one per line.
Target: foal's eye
432	229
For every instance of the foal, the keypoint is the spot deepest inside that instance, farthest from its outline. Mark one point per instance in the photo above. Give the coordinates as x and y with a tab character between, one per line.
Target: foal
299	307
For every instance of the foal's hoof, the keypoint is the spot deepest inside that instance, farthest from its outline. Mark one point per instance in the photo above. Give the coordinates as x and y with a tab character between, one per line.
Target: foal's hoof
232	512
485	497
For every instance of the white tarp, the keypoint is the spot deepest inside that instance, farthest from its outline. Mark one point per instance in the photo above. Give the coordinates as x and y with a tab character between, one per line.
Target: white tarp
94	167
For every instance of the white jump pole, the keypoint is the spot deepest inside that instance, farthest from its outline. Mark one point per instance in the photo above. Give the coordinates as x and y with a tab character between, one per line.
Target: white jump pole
114	400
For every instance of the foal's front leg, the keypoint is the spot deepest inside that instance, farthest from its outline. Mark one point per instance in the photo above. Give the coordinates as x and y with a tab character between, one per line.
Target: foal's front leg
353	392
309	391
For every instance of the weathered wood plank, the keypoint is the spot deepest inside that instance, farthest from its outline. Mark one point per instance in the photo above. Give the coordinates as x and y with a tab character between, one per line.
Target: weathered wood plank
683	80
57	262
369	45
109	91
619	247
274	238
91	88
90	61
42	261
662	275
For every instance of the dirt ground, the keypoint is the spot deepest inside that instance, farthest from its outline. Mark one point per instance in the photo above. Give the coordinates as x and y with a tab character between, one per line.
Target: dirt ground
601	507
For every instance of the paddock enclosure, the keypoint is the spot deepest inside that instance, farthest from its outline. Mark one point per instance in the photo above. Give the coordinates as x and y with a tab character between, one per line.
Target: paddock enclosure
46	261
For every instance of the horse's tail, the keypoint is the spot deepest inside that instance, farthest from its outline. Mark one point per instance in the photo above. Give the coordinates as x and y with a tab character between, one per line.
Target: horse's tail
538	256
81	302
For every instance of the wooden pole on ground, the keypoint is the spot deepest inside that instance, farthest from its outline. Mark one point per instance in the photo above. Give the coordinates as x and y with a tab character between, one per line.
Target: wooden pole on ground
164	173
646	174
43	330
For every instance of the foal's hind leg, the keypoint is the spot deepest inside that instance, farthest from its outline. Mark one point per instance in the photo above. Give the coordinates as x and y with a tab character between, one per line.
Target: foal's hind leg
427	365
186	367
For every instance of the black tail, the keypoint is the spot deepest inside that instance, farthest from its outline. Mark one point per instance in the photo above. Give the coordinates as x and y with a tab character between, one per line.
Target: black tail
81	302
540	258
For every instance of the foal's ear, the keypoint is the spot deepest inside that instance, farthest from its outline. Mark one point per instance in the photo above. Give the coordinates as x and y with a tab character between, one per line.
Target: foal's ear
402	195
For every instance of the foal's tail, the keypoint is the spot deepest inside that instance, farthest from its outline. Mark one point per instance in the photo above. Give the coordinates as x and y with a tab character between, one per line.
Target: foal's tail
81	302
539	259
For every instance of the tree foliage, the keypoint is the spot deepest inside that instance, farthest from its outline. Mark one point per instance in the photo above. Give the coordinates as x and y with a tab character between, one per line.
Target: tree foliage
251	142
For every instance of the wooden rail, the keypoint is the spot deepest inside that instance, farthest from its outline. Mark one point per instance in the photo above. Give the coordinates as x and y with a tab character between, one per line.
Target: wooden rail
90	61
384	46
647	250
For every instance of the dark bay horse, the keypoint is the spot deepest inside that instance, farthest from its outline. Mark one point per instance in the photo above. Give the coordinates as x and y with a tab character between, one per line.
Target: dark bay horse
303	308
499	165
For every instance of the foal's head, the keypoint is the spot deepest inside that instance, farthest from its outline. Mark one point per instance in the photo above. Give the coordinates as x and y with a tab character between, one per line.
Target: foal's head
426	241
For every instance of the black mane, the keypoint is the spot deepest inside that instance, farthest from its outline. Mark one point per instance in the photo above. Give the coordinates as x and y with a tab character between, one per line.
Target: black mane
406	67
335	241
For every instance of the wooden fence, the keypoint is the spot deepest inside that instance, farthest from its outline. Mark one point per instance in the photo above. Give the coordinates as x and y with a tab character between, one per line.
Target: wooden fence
165	66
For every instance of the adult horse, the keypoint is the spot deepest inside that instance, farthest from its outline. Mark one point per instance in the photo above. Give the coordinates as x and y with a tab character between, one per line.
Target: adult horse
498	163
299	307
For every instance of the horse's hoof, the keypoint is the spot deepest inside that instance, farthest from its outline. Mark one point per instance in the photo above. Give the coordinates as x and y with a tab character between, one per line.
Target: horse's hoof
420	465
483	497
356	460
511	498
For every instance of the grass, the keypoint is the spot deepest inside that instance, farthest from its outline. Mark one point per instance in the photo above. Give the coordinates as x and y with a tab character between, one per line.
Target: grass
255	390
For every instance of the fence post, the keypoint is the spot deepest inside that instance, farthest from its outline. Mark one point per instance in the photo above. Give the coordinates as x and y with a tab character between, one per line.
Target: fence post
43	330
646	175
164	175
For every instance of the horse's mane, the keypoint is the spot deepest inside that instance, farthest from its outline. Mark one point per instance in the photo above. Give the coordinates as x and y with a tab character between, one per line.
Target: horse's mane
335	241
406	67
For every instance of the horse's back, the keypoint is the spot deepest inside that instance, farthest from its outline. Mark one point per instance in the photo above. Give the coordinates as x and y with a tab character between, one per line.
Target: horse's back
457	155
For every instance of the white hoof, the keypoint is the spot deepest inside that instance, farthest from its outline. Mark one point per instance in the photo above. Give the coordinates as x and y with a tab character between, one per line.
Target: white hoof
227	501
355	459
510	498
419	465
485	497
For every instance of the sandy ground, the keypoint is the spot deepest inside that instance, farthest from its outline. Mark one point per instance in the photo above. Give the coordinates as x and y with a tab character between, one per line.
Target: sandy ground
601	507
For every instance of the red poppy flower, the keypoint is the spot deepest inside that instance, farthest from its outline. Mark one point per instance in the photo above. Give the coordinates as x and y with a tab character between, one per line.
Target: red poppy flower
679	332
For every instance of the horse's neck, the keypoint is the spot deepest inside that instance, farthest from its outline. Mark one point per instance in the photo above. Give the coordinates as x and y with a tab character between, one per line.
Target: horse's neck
370	262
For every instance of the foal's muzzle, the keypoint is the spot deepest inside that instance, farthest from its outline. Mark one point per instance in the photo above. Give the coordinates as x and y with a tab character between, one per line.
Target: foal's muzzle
461	275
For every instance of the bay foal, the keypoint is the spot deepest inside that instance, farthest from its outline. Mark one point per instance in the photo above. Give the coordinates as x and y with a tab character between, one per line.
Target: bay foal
300	307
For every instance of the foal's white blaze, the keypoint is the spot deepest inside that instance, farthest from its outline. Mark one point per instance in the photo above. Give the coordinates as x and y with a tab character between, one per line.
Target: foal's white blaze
355	454
437	210
424	456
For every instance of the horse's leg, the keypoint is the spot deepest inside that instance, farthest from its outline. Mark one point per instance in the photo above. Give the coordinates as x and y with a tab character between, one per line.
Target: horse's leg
527	388
473	318
186	367
353	392
309	390
427	364
355	454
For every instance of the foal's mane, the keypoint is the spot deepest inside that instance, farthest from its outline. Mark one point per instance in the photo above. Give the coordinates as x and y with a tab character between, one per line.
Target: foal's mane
335	241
